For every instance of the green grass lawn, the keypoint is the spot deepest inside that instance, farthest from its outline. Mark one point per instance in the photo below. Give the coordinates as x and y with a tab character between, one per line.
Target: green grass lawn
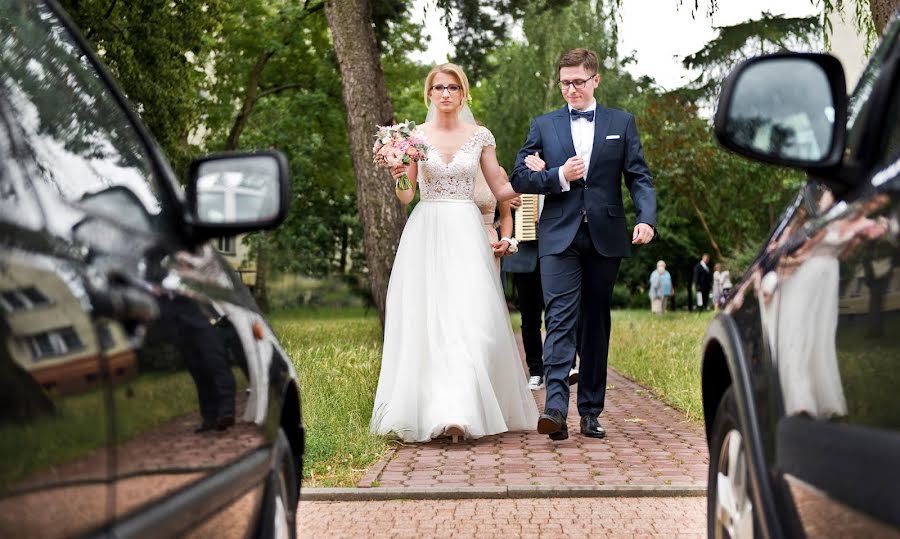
661	353
337	353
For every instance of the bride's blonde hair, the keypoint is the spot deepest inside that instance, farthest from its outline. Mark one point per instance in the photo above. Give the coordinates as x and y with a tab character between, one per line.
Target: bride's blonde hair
447	69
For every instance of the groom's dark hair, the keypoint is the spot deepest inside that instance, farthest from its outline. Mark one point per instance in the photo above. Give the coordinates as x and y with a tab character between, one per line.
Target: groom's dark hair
579	57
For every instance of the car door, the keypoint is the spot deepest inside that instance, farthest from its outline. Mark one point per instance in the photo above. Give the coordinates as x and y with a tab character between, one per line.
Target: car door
55	458
834	310
184	442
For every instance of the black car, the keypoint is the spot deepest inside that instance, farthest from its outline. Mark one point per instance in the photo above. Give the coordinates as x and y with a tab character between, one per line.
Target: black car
801	370
142	393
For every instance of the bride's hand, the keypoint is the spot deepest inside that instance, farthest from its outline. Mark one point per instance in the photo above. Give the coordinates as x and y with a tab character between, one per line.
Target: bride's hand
499	248
399	170
535	163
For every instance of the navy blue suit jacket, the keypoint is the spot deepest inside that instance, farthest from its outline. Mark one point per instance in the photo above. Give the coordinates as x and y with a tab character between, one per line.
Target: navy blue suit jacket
600	194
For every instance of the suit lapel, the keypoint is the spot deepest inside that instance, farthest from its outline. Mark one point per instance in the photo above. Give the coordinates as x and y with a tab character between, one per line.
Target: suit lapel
601	129
564	130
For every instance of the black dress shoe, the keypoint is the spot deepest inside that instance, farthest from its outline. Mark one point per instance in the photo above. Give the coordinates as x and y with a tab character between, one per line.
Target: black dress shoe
560	435
591	427
207	425
224	422
553	423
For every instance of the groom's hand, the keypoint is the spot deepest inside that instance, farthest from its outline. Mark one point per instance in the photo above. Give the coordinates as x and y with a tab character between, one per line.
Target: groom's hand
574	169
643	233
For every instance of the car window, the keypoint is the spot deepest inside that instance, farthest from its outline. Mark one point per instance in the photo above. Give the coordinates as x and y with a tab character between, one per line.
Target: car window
78	136
17	202
860	103
889	144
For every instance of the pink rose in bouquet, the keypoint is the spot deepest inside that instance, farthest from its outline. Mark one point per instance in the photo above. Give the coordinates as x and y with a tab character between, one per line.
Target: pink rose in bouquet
395	145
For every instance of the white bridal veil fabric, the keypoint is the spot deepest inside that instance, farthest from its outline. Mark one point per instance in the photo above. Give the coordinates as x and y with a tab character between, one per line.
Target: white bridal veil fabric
450	357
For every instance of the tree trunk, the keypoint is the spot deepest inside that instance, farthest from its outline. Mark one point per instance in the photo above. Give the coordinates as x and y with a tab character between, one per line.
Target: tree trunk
705	226
367	103
261	287
881	12
248	102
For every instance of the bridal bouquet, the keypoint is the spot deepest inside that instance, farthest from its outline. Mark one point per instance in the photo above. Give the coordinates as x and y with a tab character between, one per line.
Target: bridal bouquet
395	145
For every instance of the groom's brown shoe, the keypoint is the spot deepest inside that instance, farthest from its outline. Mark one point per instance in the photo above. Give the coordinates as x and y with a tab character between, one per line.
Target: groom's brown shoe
553	423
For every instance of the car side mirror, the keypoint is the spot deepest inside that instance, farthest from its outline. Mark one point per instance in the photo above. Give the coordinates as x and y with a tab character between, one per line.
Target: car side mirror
787	109
233	193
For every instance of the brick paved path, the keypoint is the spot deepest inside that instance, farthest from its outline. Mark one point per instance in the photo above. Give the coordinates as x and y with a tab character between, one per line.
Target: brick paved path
648	443
492	519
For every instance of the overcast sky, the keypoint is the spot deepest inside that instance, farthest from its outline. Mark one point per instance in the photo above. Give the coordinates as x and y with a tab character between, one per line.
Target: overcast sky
658	31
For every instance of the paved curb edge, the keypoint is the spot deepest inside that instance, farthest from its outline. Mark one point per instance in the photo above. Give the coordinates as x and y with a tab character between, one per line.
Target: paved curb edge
373	473
512	491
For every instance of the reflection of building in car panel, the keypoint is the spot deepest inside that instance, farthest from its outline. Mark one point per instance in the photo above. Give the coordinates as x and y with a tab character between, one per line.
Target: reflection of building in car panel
54	341
237	253
856	292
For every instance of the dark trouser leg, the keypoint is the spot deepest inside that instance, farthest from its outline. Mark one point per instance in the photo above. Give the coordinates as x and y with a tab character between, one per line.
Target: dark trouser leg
222	377
598	277
579	325
207	361
705	297
561	279
531	306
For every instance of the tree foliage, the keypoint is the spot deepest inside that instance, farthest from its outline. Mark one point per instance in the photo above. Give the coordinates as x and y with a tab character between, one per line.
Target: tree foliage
156	49
766	35
476	27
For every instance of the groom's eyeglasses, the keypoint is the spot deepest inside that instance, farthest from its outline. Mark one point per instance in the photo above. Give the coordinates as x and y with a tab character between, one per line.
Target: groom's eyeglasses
439	88
578	84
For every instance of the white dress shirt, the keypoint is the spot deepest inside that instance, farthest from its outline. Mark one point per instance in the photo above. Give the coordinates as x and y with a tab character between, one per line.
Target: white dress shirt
582	139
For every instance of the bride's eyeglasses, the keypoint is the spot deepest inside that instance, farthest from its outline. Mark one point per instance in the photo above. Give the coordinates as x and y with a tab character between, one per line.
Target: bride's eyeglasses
439	88
578	84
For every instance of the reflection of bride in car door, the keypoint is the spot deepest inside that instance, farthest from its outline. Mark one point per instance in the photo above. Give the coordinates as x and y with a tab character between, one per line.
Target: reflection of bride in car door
803	332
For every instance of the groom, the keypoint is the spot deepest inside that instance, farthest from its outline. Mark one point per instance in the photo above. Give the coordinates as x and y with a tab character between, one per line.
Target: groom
583	236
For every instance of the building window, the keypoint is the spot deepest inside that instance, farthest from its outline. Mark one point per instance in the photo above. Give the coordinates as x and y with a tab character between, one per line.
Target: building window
225	245
22	299
105	336
55	343
35	296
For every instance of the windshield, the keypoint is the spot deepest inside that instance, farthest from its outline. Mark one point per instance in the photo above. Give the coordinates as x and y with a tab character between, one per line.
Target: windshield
75	131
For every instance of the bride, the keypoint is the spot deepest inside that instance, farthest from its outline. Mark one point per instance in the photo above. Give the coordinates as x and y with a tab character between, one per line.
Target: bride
450	364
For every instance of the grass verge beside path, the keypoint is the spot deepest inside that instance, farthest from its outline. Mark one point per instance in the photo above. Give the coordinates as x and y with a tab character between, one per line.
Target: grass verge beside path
661	353
337	354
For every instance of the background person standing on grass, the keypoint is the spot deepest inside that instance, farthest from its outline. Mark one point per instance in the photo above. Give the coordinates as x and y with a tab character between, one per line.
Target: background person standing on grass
702	282
660	288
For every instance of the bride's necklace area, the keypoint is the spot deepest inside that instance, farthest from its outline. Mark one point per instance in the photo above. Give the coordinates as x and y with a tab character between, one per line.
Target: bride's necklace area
442	134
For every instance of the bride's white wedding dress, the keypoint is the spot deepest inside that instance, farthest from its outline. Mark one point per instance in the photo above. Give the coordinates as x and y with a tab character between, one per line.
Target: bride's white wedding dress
450	357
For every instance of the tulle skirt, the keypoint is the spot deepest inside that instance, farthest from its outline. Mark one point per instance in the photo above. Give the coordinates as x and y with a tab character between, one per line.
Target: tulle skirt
450	357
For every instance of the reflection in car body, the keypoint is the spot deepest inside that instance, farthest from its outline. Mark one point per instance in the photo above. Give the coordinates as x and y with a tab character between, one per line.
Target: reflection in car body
142	393
800	369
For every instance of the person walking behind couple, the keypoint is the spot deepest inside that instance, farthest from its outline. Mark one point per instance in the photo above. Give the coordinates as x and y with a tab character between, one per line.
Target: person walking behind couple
660	288
450	364
582	233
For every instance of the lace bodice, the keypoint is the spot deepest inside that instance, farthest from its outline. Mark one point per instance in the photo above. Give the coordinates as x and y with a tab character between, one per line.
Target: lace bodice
456	179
